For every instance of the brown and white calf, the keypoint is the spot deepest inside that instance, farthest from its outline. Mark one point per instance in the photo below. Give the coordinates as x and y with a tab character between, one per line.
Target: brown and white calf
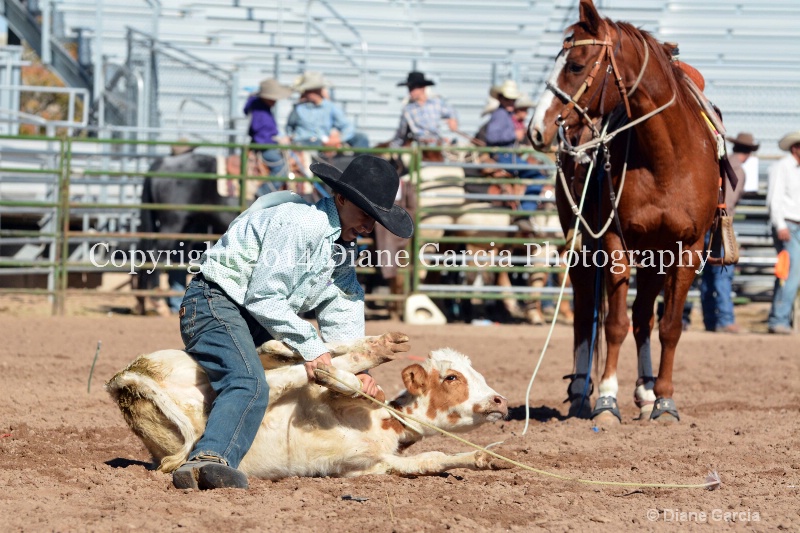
308	429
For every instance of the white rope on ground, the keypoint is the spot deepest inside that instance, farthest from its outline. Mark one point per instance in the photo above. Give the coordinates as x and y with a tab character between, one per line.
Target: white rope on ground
403	417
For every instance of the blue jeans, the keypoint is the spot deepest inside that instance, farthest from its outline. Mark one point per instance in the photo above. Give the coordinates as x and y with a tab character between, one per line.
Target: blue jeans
525	173
222	338
277	167
715	296
358	140
785	291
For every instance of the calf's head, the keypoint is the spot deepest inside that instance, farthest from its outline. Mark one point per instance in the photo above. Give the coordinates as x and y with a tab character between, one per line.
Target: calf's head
447	392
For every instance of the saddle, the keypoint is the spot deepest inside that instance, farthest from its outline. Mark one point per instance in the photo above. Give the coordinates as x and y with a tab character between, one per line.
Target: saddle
723	237
231	166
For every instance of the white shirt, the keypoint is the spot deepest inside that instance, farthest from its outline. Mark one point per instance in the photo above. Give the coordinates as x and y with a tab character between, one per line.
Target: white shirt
783	195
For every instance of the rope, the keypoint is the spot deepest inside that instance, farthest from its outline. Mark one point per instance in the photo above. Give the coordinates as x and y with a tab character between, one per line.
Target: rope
560	297
403	417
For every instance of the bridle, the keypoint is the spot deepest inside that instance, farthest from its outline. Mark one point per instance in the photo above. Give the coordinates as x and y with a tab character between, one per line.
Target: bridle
599	140
609	49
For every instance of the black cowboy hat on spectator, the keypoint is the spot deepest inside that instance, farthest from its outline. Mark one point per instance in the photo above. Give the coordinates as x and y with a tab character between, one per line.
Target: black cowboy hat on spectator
744	142
371	183
415	80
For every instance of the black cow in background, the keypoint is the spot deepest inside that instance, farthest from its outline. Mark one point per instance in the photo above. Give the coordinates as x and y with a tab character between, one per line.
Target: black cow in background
179	191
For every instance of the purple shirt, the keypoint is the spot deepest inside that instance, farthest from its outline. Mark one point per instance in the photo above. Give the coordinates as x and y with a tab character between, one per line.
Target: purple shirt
263	128
500	129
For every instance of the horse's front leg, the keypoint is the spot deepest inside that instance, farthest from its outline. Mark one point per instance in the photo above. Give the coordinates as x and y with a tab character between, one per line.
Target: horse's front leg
580	387
648	284
617	274
677	282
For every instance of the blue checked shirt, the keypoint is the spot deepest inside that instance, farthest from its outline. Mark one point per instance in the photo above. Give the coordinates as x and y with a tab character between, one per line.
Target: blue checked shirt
421	122
278	260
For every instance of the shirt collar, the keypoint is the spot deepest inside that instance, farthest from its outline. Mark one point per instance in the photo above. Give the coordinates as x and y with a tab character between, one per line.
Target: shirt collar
328	205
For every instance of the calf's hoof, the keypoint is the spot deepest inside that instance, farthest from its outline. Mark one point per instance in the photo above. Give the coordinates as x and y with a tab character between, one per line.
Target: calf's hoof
484	461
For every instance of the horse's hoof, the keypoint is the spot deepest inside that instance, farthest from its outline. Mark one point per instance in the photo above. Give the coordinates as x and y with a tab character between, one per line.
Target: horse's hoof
644	412
606	419
567	319
664	410
577	410
606	412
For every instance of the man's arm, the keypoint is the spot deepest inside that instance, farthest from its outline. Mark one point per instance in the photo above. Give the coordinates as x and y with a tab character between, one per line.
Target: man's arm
402	131
341	122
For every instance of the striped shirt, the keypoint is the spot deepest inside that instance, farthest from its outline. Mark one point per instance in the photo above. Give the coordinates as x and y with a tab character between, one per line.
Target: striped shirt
421	122
278	259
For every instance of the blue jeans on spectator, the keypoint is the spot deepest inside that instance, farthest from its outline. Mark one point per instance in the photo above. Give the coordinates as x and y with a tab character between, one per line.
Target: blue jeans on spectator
715	296
222	338
277	167
358	140
715	291
507	158
785	291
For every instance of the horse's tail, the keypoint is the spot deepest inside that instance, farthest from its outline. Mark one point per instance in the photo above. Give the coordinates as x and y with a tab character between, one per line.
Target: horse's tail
164	427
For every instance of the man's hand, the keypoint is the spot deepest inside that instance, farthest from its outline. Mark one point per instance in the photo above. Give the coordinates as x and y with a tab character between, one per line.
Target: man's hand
784	235
452	124
334	139
368	384
324	359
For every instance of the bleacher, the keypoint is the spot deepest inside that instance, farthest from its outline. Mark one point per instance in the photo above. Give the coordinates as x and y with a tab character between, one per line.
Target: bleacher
746	51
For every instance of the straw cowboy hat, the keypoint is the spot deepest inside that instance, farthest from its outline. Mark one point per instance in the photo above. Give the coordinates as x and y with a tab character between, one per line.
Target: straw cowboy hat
272	90
523	102
416	80
180	147
744	142
491	105
789	140
508	90
309	81
371	183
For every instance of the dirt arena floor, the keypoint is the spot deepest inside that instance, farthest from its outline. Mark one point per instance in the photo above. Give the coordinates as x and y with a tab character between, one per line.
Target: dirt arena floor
69	463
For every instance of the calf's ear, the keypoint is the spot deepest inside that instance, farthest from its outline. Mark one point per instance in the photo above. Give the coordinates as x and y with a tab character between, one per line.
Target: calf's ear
415	379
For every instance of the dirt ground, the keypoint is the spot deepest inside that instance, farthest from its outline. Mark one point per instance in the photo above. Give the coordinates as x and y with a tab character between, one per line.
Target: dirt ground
69	463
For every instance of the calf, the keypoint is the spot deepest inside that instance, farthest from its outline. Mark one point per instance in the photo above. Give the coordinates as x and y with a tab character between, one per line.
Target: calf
308	429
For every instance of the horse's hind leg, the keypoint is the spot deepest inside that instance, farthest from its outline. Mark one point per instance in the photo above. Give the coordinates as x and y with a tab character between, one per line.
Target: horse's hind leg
648	284
676	286
606	409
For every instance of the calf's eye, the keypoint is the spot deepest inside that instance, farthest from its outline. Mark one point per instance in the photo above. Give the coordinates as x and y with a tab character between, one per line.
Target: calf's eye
450	378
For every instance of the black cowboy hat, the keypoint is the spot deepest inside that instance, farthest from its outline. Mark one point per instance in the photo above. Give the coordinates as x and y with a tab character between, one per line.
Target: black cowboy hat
371	183
415	79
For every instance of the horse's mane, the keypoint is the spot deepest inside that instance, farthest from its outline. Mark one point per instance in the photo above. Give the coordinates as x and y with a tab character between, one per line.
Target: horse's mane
658	53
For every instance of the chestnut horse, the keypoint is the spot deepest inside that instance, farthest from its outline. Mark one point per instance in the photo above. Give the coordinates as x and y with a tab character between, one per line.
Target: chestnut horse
613	77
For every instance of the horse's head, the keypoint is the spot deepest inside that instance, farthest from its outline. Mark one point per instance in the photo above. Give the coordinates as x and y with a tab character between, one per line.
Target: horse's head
578	89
